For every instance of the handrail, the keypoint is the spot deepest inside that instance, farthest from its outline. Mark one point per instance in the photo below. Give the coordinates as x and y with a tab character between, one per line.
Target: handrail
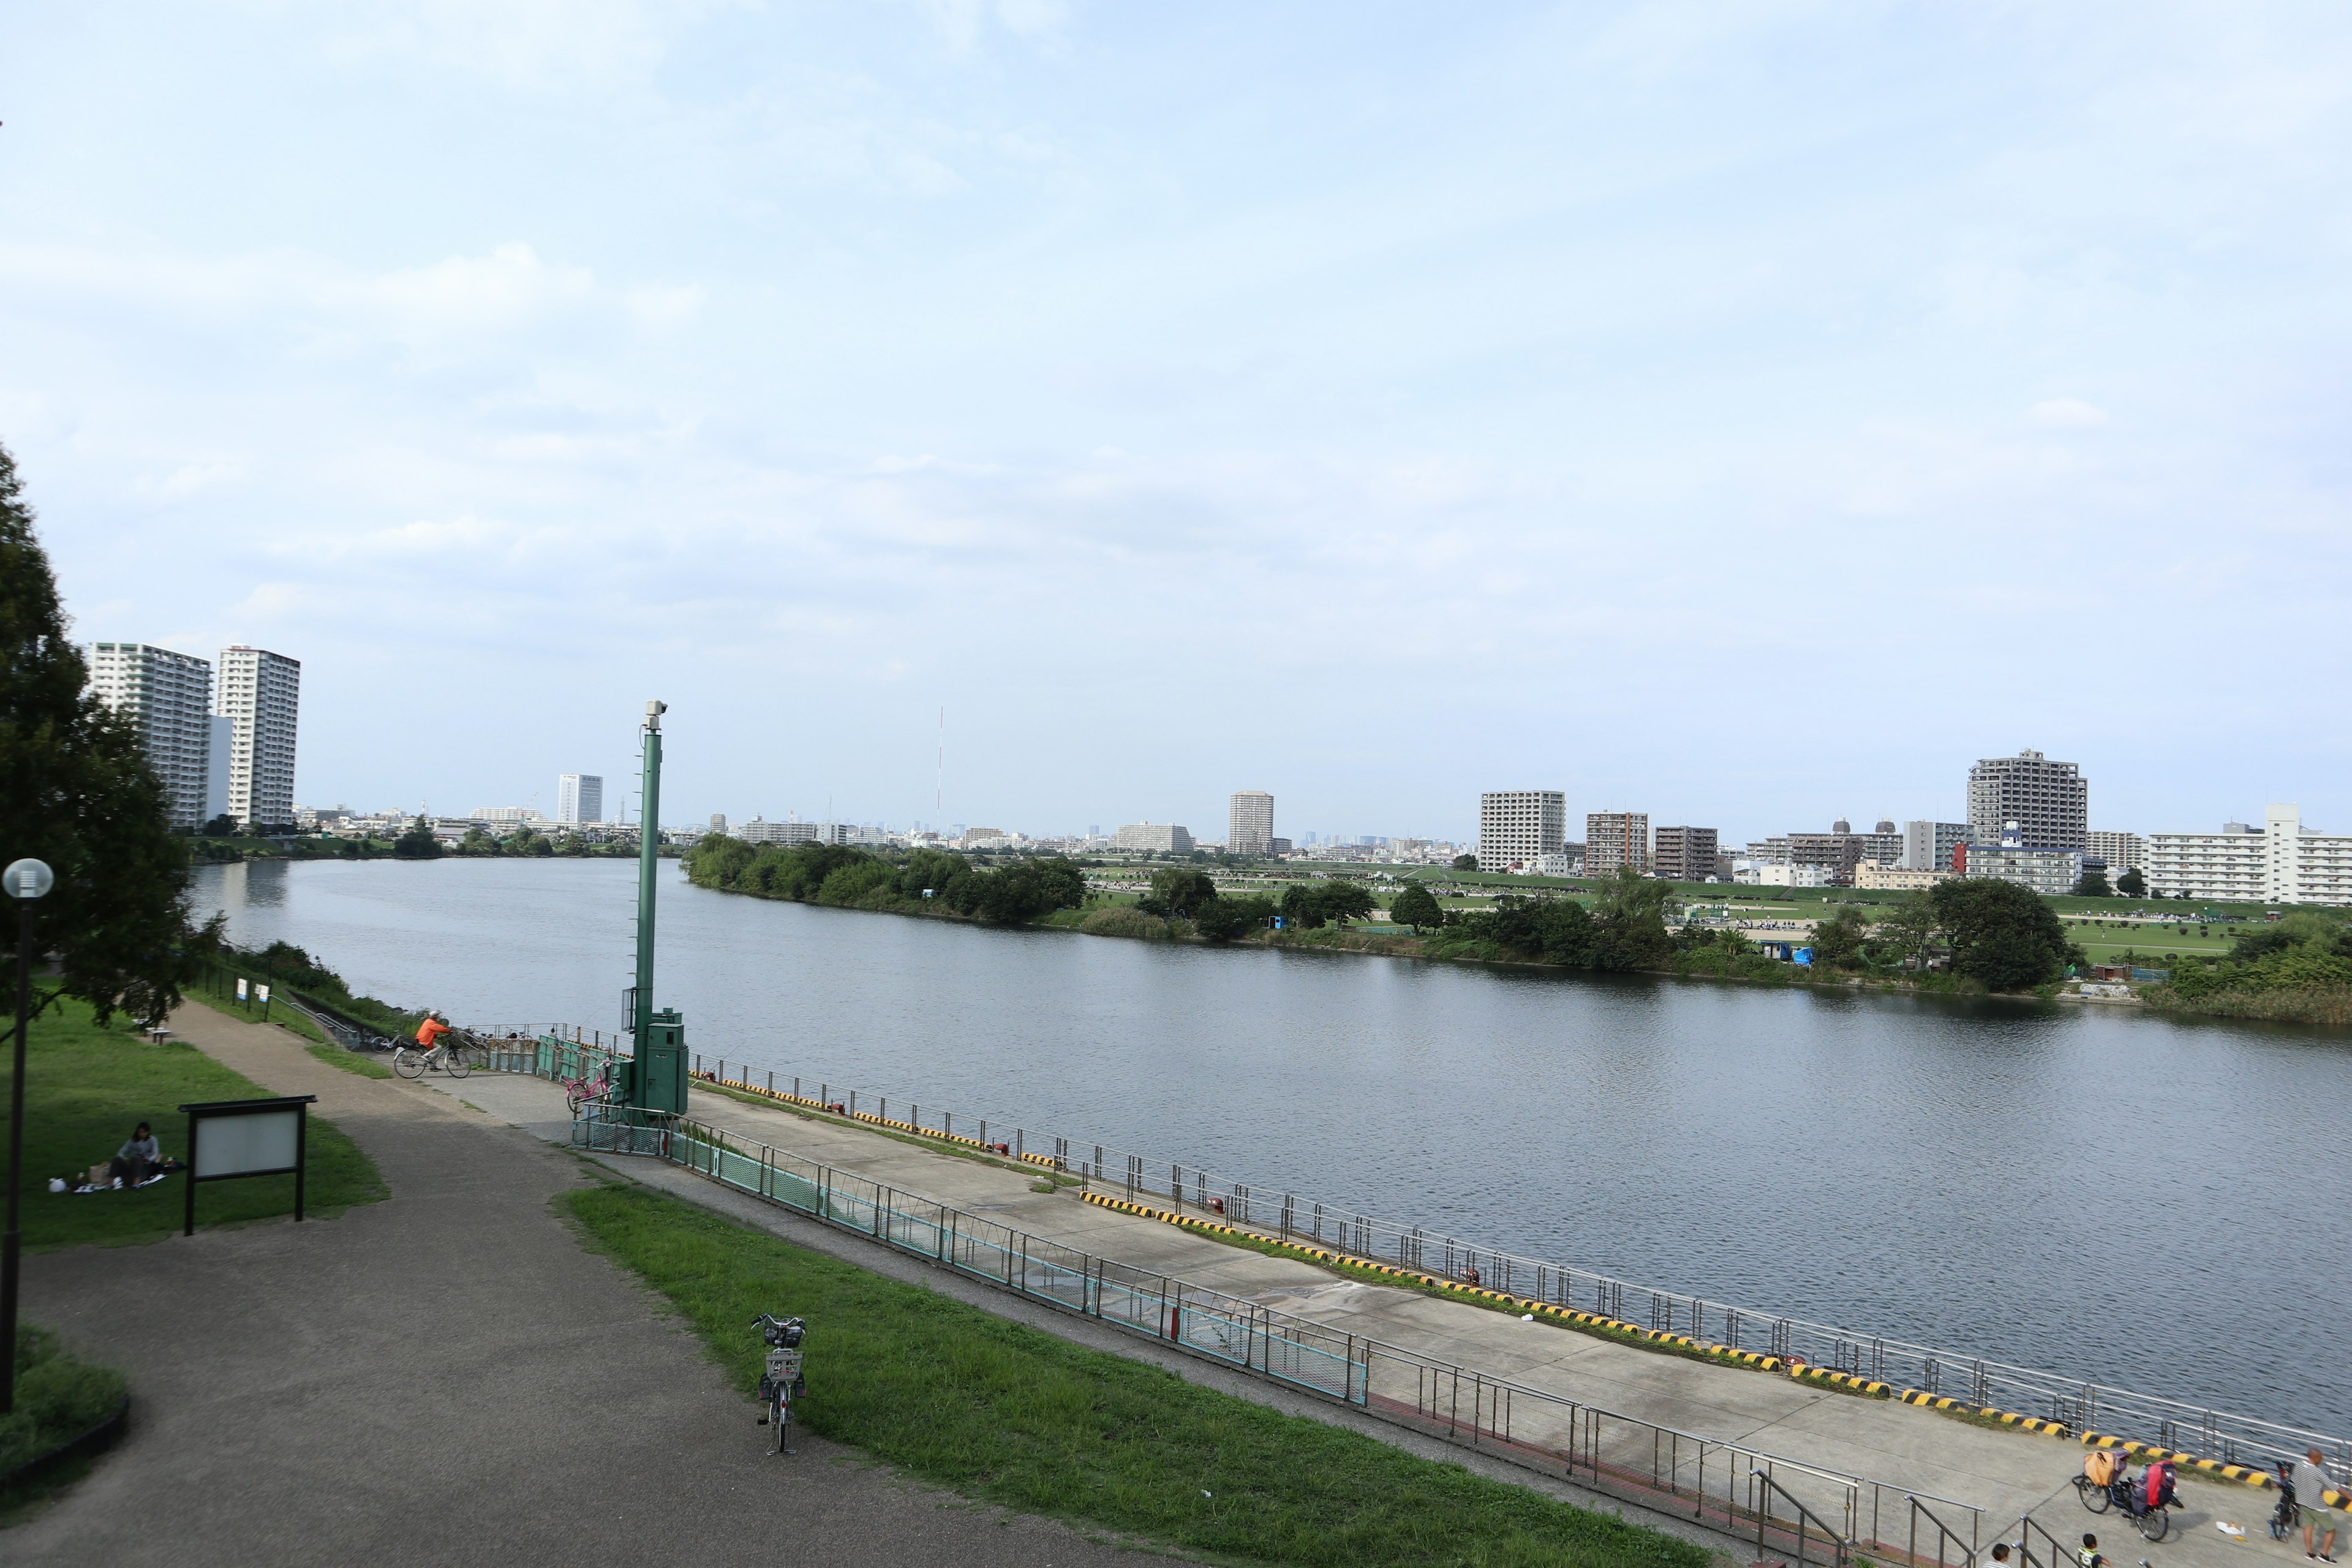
2027	1526
1943	1533
2077	1404
1758	1481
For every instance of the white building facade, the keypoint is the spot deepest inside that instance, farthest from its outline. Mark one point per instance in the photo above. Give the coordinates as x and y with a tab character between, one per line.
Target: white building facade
168	697
2121	851
2052	873
579	798
1249	828
261	694
1517	827
1162	838
2280	862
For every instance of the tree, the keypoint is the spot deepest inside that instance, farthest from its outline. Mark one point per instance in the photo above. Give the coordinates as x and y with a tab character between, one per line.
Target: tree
2002	934
1223	920
1465	862
221	827
1629	917
2131	884
1416	907
2092	884
1909	930
417	843
1178	892
77	791
1837	940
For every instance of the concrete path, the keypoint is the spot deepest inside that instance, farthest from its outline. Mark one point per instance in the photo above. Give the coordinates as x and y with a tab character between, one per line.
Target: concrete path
444	1377
2004	1473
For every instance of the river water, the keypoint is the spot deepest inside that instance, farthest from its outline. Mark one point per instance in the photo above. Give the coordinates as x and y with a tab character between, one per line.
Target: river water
2156	1204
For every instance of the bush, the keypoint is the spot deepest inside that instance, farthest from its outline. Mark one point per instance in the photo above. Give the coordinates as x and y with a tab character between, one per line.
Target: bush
1223	920
57	1398
1124	919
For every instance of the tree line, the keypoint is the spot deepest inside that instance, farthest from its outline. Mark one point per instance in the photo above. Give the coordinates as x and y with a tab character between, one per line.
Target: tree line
920	881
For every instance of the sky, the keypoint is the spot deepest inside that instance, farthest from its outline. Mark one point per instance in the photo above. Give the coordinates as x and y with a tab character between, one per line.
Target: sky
1747	413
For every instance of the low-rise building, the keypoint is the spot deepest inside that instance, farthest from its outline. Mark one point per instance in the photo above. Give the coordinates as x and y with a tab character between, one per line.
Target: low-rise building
1901	878
1783	874
2052	873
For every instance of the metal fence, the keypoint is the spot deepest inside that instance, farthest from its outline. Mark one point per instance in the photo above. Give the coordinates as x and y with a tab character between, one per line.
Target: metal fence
2078	1405
1787	1505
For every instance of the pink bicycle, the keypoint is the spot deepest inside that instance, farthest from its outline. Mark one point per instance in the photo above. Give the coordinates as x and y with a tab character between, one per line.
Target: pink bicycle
580	1091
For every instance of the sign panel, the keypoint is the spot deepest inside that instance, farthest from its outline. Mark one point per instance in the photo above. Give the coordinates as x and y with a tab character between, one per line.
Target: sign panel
241	988
246	1145
261	993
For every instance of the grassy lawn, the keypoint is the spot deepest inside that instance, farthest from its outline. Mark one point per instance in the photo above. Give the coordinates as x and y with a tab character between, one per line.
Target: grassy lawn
295	1023
1005	1412
86	1088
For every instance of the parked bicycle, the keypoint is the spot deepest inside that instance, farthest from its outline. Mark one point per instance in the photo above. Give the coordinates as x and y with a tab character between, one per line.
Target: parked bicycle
781	1381
2146	1499
580	1091
409	1061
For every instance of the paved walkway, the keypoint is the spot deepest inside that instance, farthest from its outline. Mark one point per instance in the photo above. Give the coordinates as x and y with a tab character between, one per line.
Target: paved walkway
2005	1473
444	1377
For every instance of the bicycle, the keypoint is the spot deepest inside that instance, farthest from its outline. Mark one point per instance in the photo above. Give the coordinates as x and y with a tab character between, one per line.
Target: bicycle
410	1062
781	1381
580	1091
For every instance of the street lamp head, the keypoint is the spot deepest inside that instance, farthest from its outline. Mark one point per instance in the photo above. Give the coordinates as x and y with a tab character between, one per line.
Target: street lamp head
27	879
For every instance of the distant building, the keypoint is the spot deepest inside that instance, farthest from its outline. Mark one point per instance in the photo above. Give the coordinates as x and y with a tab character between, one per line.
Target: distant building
1682	854
2121	851
1250	822
504	813
1164	839
1616	840
2050	872
2280	862
1841	849
717	822
1278	846
1929	846
579	798
1518	826
1782	873
261	694
1875	874
2049	802
168	698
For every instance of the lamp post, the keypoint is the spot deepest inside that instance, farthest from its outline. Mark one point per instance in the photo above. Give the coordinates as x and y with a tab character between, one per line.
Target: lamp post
24	880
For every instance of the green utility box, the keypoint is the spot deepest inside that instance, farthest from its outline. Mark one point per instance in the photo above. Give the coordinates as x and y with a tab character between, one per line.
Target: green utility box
658	1074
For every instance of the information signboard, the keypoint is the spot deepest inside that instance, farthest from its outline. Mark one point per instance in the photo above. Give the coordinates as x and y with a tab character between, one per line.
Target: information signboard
229	1139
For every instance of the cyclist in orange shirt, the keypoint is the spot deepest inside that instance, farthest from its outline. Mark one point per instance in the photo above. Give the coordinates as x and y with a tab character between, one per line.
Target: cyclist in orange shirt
429	1033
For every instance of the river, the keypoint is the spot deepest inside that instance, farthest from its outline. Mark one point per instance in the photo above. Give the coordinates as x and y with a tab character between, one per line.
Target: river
2136	1200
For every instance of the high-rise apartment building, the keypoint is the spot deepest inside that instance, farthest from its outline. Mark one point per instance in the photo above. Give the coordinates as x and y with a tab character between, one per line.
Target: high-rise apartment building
1683	853
1250	827
168	697
2049	802
261	694
2122	851
579	798
1929	846
1517	827
1614	840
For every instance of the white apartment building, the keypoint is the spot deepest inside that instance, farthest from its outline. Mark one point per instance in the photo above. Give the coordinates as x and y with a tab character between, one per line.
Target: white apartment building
504	813
2280	862
260	693
1166	838
1616	840
2052	873
168	697
579	798
1250	823
1517	827
1929	846
1901	878
2121	851
1765	873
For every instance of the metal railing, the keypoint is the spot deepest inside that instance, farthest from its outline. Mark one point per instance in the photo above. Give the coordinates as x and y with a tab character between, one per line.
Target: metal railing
2078	1405
1769	1493
1709	1481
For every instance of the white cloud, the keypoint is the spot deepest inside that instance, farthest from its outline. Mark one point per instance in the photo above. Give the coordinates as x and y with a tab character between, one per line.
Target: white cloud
2067	414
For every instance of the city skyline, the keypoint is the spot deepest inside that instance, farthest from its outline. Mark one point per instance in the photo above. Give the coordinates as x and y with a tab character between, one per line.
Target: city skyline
1188	399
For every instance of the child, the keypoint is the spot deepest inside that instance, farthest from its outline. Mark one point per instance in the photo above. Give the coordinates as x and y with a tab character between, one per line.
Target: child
2089	1556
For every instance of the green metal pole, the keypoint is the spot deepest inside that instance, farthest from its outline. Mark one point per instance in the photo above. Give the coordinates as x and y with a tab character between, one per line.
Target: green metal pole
648	864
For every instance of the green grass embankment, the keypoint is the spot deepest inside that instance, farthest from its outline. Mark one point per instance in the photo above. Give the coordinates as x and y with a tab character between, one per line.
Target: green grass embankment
58	1398
87	1087
298	1024
1016	1417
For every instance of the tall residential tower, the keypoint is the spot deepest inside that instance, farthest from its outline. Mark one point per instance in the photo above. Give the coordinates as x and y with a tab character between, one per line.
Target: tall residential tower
1250	829
579	798
168	697
1518	827
2049	802
259	693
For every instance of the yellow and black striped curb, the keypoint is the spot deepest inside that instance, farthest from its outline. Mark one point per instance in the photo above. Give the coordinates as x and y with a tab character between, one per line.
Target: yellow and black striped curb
867	1117
2006	1417
2245	1475
1543	1310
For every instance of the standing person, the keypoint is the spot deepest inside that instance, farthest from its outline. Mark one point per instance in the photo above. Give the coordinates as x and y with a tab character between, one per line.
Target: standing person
2311	1486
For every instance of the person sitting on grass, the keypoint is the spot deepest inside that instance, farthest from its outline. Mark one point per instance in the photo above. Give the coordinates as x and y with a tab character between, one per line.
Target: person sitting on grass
136	1159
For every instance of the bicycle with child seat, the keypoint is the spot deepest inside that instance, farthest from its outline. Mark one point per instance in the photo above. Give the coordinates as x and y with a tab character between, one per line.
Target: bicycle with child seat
580	1091
781	1381
410	1062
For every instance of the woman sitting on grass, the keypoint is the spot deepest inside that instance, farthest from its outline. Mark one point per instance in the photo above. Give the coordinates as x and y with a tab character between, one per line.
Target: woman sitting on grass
138	1159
